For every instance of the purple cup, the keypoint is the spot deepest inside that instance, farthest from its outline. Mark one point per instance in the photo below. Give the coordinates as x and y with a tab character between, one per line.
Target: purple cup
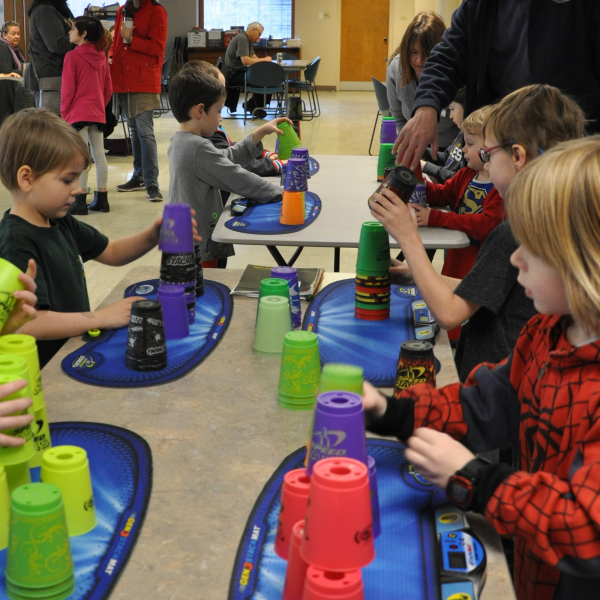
175	316
374	496
290	274
190	300
338	428
303	154
176	234
295	176
276	144
419	196
388	132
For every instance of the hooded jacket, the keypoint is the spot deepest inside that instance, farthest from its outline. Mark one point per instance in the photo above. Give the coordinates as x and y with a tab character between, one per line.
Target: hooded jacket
86	85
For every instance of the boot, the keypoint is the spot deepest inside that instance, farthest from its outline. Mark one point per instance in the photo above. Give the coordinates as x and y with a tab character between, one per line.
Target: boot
100	203
79	207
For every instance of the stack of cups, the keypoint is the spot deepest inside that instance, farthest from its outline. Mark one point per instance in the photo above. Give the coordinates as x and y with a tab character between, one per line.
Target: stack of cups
146	345
290	274
373	281
294	498
415	365
388	130
303	154
419	196
287	142
174	309
38	564
273	286
4	509
9	283
273	321
178	263
199	271
25	346
293	207
295	574
387	160
300	370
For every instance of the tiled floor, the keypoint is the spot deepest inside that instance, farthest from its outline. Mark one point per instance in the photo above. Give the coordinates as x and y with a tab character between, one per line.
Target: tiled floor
344	127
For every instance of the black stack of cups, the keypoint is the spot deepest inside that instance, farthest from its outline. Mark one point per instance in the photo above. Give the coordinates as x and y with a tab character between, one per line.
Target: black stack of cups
146	345
181	269
199	272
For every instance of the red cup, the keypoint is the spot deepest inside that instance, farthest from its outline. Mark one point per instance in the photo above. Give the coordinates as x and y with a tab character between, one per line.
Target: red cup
294	497
372	317
338	533
296	568
371	313
328	585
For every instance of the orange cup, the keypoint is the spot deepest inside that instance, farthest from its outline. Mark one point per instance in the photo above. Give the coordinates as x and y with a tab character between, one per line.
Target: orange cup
338	532
292	208
328	585
296	568
294	497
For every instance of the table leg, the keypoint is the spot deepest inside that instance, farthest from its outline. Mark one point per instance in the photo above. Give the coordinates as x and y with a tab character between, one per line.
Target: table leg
281	262
336	260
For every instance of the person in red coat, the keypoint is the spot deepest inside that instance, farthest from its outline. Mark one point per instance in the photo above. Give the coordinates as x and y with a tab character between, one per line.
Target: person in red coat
138	52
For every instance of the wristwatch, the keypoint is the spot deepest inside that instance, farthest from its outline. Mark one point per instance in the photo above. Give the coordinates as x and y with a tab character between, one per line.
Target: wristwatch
462	485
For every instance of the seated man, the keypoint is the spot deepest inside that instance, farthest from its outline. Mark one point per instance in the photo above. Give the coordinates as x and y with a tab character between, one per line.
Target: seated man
240	54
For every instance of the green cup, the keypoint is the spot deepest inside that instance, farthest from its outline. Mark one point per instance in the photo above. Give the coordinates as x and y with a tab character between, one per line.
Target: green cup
39	563
273	286
68	468
13	368
25	346
273	321
387	160
339	377
17	475
373	250
287	141
300	370
4	508
9	283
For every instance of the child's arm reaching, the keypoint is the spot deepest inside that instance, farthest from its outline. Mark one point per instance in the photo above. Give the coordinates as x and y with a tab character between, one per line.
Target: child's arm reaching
13	406
268	128
24	310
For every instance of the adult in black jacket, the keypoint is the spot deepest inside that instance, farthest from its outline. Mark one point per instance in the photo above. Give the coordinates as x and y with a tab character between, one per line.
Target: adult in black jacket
494	47
12	58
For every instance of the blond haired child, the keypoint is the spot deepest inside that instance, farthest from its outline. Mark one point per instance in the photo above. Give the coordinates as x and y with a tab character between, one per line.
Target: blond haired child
519	128
544	399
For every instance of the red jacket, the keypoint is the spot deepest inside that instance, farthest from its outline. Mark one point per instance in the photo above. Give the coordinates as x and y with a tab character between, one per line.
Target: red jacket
137	67
86	85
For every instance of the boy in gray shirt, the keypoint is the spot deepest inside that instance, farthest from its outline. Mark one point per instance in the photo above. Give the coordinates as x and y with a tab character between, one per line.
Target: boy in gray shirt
199	170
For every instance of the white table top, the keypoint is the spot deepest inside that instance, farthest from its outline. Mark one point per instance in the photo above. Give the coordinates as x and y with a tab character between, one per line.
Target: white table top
292	65
344	184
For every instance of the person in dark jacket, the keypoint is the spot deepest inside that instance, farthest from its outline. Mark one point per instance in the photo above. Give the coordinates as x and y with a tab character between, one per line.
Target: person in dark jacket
12	58
494	47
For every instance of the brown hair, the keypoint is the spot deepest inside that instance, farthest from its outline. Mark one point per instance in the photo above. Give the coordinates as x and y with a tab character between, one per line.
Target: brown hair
474	123
203	67
39	139
535	116
94	31
7	25
554	211
191	87
426	28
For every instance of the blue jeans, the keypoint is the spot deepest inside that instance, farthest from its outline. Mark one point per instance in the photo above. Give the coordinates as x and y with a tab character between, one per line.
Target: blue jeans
143	145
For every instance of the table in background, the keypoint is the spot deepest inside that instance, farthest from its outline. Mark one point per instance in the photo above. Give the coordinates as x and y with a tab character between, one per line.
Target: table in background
344	184
212	53
217	435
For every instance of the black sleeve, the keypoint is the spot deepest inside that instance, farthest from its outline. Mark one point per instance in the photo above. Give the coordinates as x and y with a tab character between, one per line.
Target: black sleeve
7	64
90	242
53	30
398	419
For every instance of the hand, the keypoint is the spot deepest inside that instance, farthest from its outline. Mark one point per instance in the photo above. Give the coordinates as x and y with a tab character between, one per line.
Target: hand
398	219
114	315
126	32
13	406
420	130
24	310
400	273
158	223
374	403
276	122
436	455
422	214
267	59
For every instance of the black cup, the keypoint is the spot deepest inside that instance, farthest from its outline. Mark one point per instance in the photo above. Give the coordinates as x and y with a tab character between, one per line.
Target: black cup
146	345
178	268
199	271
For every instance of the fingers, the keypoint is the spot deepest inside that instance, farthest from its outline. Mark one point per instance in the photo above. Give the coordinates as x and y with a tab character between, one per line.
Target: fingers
10	442
15	421
10	388
31	270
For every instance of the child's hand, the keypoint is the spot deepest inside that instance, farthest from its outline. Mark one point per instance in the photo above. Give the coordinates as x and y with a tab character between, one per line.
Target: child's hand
374	403
436	455
114	315
24	310
271	127
400	273
10	407
421	213
158	223
398	219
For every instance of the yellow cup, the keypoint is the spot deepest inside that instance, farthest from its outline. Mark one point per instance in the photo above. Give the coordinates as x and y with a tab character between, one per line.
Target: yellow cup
17	475
9	283
4	509
68	468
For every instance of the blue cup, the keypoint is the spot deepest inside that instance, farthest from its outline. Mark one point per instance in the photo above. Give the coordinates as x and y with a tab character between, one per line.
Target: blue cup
176	233
295	176
303	154
290	274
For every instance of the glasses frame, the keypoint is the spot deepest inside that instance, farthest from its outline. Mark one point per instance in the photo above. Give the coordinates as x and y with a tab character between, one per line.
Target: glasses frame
484	153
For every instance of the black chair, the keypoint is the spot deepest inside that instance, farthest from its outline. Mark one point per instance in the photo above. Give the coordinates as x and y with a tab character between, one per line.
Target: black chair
165	76
288	56
236	89
383	106
265	78
310	86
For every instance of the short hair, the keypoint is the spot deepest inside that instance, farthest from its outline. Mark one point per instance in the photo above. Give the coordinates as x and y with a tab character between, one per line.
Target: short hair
191	87
426	28
255	25
460	96
473	124
554	211
39	139
203	67
8	24
94	31
535	116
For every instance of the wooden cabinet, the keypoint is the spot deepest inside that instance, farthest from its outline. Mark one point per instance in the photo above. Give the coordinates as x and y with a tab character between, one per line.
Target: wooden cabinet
211	54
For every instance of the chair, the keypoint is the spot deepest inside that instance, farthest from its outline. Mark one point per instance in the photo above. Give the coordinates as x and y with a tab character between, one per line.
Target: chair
383	106
165	76
310	75
288	56
264	78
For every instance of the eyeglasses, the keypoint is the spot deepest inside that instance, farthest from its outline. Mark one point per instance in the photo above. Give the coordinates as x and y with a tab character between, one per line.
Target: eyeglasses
484	153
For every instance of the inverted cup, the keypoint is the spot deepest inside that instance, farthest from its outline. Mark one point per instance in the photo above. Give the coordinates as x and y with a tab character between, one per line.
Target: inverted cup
4	508
9	283
290	274
388	131
287	141
300	367
374	496
419	196
292	208
174	309
272	323
329	585
303	154
274	286
68	468
17	475
295	175
386	159
176	233
342	378
294	496
296	567
373	249
146	345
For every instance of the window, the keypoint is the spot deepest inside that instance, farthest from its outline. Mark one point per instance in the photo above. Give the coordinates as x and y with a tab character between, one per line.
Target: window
274	15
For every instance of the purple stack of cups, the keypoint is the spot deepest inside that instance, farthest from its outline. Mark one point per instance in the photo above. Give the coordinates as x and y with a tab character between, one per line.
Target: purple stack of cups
175	315
176	234
290	274
338	429
388	131
303	154
189	288
374	496
295	176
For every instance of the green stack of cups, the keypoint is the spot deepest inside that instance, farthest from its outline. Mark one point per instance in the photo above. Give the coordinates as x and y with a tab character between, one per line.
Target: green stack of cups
39	565
373	281
387	160
300	371
273	286
287	141
25	346
4	509
9	283
273	322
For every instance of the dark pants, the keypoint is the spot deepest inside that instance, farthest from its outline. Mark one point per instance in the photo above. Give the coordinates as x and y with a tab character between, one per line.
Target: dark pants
235	85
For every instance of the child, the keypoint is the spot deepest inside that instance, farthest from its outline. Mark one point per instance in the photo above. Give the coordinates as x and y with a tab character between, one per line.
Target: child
198	169
452	159
86	90
42	159
544	399
489	295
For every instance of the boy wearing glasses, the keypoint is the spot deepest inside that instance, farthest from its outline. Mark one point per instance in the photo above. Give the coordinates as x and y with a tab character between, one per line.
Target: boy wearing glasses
489	296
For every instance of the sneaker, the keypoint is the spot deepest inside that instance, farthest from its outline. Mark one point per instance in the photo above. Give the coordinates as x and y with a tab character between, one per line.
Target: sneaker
133	185
260	114
153	194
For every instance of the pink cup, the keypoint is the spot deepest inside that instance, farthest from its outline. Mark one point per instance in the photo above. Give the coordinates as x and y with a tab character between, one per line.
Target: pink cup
294	497
327	585
296	569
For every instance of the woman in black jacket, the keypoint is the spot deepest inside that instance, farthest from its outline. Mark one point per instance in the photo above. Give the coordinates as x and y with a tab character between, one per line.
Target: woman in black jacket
12	58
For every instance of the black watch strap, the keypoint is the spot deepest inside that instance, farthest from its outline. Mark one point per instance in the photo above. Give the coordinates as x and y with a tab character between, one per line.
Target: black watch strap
462	486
